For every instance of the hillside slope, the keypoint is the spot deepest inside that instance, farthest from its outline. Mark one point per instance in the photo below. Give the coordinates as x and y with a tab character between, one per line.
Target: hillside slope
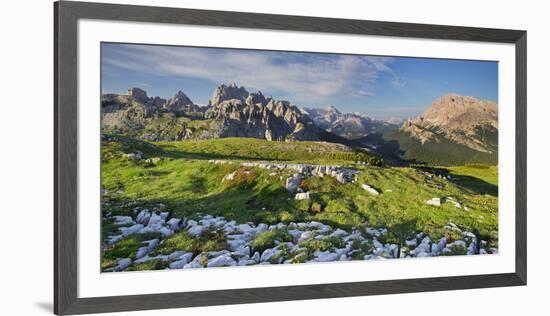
453	130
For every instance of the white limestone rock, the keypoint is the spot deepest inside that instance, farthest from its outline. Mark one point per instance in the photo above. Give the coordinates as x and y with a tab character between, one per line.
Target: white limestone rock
221	261
326	256
182	261
143	217
434	201
122	264
196	230
292	183
411	242
370	189
130	230
339	233
268	254
174	223
229	176
123	220
246	261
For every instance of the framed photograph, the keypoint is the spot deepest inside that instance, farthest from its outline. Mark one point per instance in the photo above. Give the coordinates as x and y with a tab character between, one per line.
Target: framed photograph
209	158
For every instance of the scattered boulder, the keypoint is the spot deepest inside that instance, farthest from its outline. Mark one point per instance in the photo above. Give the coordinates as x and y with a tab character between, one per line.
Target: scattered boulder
123	220
229	176
452	200
326	256
143	217
411	242
174	223
268	254
122	264
472	248
221	261
293	182
134	156
195	263
141	252
423	249
182	261
114	239
370	189
196	230
434	201
246	261
130	230
153	161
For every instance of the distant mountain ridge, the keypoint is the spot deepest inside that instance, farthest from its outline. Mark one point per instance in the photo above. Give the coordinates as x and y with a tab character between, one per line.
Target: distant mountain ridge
349	125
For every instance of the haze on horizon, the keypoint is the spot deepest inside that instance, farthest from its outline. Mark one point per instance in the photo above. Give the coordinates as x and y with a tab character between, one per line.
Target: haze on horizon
379	87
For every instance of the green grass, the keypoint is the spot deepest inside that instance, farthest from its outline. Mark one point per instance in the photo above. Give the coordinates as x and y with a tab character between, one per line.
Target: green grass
149	265
323	244
188	185
486	173
125	248
183	241
259	149
267	239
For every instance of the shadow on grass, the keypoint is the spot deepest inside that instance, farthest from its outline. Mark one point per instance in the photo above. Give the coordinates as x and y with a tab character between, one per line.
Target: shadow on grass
473	184
179	154
390	150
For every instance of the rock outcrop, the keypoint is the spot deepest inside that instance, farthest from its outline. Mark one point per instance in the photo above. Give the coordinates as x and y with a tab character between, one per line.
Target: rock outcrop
246	114
181	103
230	92
152	118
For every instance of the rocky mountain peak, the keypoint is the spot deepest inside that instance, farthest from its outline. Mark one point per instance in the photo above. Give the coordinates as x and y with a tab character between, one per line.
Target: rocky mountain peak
230	92
256	98
458	112
138	94
461	119
244	114
180	102
332	109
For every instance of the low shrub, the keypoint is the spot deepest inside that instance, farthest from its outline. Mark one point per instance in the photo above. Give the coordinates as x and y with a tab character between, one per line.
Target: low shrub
267	239
183	241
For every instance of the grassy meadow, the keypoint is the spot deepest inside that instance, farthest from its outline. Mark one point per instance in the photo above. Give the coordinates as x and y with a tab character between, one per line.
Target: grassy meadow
179	176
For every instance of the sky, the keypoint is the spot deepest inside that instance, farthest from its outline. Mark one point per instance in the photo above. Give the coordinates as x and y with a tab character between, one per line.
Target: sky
377	86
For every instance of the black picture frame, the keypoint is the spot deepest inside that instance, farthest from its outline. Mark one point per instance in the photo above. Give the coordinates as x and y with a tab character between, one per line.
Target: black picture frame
66	16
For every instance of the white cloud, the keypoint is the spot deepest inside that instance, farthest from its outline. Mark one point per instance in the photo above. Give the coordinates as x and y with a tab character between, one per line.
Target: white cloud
301	76
363	93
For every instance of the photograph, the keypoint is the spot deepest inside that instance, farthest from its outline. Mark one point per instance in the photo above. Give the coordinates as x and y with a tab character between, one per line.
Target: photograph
228	157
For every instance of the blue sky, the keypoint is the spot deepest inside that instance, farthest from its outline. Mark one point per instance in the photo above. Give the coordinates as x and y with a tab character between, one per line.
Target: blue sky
380	87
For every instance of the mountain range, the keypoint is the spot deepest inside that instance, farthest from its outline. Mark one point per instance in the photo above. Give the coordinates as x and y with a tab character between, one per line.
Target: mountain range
348	125
231	112
453	129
